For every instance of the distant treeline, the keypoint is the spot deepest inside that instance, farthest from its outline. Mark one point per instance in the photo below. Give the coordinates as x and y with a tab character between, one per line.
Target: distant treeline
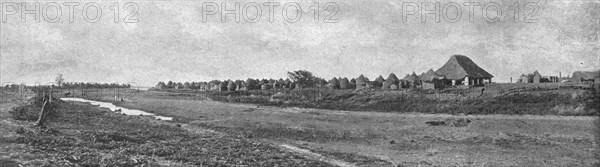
248	84
296	79
73	85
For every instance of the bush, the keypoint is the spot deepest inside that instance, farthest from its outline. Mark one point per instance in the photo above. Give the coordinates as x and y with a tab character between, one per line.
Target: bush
25	113
30	110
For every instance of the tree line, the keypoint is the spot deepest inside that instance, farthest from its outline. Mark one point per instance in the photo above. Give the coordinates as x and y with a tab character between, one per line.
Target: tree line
74	85
296	79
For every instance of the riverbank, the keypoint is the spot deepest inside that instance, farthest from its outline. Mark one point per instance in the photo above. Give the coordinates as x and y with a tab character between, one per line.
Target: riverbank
385	138
82	134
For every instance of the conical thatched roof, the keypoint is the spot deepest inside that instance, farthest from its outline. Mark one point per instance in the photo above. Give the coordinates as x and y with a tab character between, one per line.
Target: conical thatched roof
344	83
361	80
430	76
392	77
459	67
412	77
334	81
353	81
380	79
391	80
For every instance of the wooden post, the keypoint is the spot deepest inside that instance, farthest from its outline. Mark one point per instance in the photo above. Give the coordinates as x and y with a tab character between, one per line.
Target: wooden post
42	115
50	99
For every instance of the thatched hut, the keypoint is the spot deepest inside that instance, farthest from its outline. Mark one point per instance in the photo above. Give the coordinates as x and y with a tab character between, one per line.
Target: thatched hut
231	86
333	83
461	70
201	86
534	77
410	81
361	82
280	83
584	76
265	87
242	86
223	86
391	80
213	86
287	84
272	83
378	82
432	80
345	83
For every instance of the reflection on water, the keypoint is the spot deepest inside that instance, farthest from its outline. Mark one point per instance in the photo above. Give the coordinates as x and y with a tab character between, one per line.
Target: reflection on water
113	107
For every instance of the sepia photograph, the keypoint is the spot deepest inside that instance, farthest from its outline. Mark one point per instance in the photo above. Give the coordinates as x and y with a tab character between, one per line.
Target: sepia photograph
347	83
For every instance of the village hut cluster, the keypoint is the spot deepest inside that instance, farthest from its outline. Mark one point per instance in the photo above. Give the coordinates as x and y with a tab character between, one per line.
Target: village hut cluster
577	76
458	72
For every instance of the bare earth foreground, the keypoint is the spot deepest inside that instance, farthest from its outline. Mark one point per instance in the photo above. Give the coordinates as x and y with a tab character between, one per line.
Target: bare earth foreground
84	135
384	139
314	137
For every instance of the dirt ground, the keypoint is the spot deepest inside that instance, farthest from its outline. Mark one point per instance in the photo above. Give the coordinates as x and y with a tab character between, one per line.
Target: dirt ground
354	138
85	135
399	139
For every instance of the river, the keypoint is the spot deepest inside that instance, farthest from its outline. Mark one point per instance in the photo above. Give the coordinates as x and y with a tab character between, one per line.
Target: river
115	108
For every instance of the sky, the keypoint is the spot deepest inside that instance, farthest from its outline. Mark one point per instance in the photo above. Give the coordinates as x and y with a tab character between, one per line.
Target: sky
186	41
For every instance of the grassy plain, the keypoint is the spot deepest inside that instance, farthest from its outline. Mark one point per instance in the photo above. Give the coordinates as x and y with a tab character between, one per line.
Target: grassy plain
79	134
388	138
382	131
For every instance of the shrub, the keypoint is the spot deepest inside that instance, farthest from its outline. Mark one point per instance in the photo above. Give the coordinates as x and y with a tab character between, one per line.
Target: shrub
30	110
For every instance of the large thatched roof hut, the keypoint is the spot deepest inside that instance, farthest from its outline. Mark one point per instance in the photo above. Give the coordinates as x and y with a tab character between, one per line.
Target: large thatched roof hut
462	70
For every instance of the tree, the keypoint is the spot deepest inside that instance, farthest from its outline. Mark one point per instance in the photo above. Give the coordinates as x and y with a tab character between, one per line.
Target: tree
59	80
304	78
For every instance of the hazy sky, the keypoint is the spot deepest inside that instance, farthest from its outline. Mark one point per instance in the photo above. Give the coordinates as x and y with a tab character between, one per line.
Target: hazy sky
170	41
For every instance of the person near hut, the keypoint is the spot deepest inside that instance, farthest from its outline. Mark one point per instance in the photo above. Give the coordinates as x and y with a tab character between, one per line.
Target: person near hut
482	90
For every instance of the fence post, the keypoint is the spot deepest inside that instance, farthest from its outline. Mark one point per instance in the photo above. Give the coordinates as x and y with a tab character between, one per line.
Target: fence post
42	115
50	99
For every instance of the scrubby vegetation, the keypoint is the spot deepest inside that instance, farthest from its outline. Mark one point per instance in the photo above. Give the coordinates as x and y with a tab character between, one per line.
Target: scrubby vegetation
31	109
535	102
83	135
